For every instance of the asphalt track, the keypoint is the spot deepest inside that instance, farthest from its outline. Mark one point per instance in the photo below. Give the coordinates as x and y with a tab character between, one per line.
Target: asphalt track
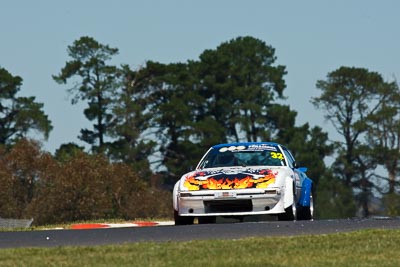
92	237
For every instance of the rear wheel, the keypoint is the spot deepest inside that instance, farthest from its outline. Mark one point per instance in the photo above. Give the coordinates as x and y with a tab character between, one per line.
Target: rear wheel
306	213
182	220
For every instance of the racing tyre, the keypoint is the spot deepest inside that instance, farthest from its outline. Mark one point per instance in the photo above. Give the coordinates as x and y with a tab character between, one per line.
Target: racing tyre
290	212
182	220
207	219
306	213
289	215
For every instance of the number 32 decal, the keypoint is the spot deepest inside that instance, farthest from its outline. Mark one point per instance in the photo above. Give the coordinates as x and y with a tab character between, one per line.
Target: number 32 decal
276	155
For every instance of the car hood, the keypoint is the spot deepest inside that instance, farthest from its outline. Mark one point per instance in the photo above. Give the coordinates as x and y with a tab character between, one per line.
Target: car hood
233	178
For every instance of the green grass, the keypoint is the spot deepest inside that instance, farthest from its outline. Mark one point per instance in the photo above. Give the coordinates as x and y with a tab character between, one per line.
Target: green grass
362	248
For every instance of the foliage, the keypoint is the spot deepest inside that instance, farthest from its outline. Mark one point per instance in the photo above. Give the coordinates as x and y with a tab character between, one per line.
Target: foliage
384	135
335	199
392	204
240	82
350	97
163	117
19	173
309	146
225	96
174	107
19	115
80	187
67	151
96	83
131	143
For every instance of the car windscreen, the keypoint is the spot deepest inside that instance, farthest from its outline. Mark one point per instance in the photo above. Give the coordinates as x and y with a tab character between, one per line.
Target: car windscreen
243	156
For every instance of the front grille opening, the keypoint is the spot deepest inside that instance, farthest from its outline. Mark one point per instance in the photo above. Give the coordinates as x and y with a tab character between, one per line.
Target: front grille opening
212	206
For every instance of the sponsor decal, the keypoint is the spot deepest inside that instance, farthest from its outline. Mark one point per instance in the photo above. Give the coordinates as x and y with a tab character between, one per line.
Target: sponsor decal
228	179
262	147
232	148
250	147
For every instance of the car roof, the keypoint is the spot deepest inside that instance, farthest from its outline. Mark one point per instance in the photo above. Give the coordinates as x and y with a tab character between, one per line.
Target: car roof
245	144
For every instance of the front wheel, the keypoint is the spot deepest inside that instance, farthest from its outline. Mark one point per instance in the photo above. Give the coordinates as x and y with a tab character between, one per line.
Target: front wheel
207	219
182	220
291	211
289	215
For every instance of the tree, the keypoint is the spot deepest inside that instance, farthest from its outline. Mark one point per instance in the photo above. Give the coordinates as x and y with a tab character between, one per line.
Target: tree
175	107
223	97
239	82
131	122
349	98
335	200
310	147
76	187
19	115
20	169
68	151
96	84
384	135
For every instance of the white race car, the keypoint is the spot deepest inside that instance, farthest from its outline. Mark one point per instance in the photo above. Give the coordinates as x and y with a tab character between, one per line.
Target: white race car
242	179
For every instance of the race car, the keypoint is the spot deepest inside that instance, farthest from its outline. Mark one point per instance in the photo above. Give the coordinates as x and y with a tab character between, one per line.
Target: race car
243	179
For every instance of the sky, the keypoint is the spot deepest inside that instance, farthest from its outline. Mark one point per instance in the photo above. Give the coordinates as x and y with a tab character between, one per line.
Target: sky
311	38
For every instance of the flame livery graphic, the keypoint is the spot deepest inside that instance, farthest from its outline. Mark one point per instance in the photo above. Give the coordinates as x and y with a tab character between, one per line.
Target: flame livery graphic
225	180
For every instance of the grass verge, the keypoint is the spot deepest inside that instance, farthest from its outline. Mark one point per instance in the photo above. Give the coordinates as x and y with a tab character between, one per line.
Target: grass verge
362	248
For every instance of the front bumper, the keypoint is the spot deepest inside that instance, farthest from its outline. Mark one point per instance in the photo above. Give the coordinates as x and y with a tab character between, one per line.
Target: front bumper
231	202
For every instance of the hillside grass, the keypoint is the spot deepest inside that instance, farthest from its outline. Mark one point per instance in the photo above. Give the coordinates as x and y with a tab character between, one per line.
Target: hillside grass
361	248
